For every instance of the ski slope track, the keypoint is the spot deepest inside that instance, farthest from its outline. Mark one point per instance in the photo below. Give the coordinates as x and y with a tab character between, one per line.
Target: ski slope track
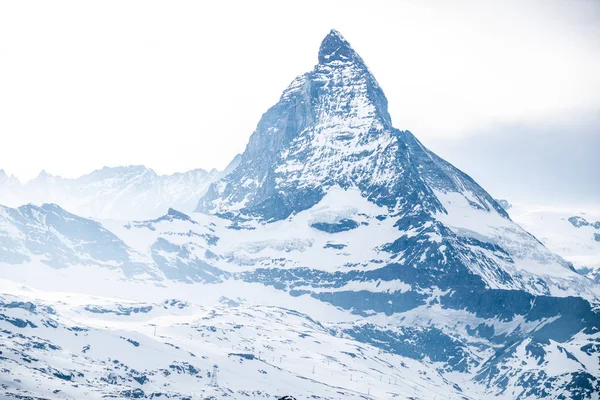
339	258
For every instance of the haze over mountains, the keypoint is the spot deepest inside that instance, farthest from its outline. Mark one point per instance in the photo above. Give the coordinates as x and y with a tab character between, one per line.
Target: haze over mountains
340	258
131	192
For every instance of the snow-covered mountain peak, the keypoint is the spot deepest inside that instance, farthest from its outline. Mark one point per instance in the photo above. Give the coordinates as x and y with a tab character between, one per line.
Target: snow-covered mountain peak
44	177
331	128
129	169
335	48
8	179
123	192
346	86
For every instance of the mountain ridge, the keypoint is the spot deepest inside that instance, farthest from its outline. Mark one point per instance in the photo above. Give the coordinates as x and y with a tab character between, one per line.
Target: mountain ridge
123	192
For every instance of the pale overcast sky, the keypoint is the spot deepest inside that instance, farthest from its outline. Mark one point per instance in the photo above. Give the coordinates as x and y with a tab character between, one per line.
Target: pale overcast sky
181	85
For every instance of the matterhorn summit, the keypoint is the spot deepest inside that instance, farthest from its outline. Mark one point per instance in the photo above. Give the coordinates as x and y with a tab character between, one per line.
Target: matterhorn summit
330	128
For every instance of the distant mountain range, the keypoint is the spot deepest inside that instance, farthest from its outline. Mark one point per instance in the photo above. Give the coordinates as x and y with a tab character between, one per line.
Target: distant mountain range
337	257
132	192
572	233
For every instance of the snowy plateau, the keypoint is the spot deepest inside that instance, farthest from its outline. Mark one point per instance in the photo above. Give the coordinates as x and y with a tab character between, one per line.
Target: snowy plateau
336	258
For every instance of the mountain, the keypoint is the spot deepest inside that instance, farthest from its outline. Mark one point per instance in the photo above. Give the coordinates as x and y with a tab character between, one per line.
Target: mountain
572	233
133	192
331	128
56	237
339	255
331	133
49	235
11	190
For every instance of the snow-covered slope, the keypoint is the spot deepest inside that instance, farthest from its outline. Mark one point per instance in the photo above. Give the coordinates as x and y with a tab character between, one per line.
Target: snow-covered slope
140	339
339	242
572	233
470	337
57	238
91	347
51	236
133	192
